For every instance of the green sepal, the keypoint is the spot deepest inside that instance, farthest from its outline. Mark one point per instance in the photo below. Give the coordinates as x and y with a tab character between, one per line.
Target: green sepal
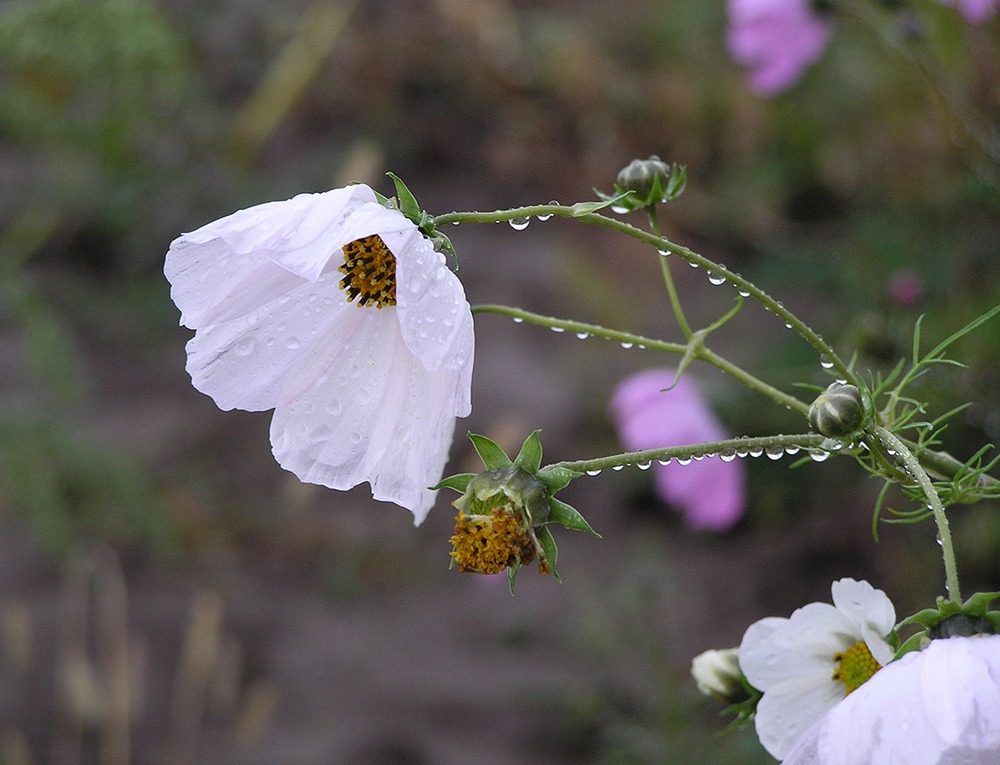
491	454
530	456
407	202
512	576
569	517
585	208
548	543
556	477
459	482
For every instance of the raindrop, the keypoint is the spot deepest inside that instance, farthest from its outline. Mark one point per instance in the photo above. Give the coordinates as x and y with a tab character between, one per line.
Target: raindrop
293	343
664	253
356	437
683	460
583	335
643	465
741	453
664	462
755	451
546	216
825	362
616	468
818	455
518	320
627	345
716	279
519	224
791	451
593	472
743	293
619	209
728	455
335	407
699	457
692	264
245	345
774	452
787	325
558	329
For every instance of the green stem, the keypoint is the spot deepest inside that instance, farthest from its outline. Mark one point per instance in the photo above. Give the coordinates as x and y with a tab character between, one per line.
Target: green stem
629	340
668	279
915	470
773	446
583	213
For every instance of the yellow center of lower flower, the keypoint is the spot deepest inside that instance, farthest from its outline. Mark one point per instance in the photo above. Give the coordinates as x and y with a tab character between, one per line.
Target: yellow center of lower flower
369	272
855	666
487	544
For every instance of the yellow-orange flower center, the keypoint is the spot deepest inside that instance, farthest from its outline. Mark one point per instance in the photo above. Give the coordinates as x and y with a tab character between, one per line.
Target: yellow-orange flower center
369	272
487	544
855	666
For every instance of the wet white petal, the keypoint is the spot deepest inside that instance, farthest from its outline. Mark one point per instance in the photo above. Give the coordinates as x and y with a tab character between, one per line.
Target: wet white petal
360	394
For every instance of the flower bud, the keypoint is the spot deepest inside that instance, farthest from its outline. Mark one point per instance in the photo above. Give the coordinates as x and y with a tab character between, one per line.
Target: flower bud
837	411
651	181
717	673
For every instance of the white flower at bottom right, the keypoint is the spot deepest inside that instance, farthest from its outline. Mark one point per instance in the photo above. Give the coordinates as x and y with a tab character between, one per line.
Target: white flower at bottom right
938	706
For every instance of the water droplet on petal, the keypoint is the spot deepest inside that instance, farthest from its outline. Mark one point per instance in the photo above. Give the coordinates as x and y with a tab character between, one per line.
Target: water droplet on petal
334	407
519	224
293	343
356	437
245	345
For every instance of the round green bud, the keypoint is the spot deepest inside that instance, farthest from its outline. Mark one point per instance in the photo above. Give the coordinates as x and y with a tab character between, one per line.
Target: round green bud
837	411
646	177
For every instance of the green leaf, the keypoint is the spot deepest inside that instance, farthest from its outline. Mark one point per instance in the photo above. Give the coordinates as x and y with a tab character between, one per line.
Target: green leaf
491	454
512	575
548	544
530	456
556	477
585	208
458	482
569	517
407	202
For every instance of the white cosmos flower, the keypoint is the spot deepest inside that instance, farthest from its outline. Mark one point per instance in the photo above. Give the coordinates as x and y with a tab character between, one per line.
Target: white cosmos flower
807	663
336	312
939	706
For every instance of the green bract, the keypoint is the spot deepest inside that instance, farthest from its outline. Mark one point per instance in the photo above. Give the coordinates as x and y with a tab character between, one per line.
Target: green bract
505	512
644	183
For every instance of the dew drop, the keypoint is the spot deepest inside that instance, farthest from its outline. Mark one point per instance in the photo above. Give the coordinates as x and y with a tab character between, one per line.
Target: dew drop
620	209
741	453
692	264
716	279
244	347
825	362
664	462
626	346
683	460
616	468
664	253
774	452
356	437
519	224
593	472
728	455
293	343
583	335
818	455
755	451
743	293
548	215
791	451
787	325
643	465
699	457
518	320
558	329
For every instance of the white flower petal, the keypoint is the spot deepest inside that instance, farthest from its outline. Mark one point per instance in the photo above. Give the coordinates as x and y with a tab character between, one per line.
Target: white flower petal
939	706
784	716
864	604
299	234
369	413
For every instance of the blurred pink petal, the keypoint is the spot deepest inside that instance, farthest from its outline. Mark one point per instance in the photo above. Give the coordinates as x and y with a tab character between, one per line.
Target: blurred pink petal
776	40
974	10
709	492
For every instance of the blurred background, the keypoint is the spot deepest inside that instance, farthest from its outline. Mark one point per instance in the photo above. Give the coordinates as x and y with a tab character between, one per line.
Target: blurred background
169	595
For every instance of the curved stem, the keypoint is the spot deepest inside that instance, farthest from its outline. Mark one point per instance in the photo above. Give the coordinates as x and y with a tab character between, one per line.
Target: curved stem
734	447
584	213
916	471
668	279
629	340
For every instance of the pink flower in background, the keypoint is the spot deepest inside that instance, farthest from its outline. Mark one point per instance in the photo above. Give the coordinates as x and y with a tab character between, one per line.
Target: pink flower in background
776	40
905	287
974	10
709	492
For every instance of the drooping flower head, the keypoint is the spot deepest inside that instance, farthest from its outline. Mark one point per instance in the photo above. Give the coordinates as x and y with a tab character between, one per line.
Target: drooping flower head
334	310
649	412
938	706
776	40
806	664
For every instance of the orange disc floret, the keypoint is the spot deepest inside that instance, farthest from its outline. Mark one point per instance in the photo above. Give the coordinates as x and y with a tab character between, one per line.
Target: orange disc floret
487	544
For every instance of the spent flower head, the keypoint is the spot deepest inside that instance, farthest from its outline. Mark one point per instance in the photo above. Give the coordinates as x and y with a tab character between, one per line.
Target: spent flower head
336	311
504	513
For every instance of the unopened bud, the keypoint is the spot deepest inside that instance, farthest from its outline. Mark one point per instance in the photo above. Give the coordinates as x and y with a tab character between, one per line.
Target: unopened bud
717	673
837	411
651	181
